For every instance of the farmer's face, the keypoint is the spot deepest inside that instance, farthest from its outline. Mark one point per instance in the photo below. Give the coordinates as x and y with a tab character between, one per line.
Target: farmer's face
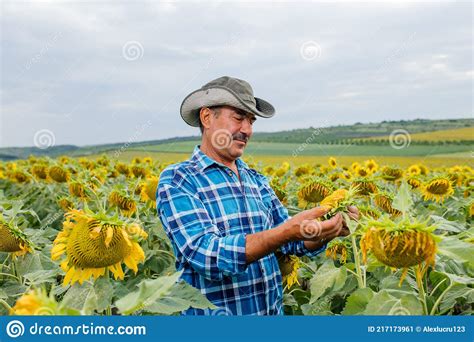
230	131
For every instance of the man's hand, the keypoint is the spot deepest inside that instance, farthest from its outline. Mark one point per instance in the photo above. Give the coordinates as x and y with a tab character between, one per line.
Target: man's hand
316	233
302	226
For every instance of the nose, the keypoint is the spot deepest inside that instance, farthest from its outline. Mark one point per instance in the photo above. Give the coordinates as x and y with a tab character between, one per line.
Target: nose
246	127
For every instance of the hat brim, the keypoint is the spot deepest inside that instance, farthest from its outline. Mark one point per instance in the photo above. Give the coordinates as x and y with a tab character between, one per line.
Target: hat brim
219	96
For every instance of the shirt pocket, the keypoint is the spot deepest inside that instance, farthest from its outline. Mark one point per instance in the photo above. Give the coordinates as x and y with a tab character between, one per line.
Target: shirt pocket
266	216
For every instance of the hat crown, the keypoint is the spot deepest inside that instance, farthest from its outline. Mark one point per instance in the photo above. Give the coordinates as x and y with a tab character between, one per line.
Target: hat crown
242	88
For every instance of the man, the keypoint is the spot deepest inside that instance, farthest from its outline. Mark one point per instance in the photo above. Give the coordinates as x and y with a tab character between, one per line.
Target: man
222	217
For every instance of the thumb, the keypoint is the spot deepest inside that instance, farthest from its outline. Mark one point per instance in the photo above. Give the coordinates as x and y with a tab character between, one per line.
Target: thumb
319	211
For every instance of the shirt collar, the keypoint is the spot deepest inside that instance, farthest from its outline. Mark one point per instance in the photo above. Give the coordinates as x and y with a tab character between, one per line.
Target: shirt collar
203	161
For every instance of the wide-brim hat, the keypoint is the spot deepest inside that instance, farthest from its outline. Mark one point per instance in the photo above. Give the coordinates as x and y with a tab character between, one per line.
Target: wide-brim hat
224	90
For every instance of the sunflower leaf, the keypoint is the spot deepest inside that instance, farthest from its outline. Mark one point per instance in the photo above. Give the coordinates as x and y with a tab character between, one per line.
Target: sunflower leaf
383	303
327	276
163	295
403	200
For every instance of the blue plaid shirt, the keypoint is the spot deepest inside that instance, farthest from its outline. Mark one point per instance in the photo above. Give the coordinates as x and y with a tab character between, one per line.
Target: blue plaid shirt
206	213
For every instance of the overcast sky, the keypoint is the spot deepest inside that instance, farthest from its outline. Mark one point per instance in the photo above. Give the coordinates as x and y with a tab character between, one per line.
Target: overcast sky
102	72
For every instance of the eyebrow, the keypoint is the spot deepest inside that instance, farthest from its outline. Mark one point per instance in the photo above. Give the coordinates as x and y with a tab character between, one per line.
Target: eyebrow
243	113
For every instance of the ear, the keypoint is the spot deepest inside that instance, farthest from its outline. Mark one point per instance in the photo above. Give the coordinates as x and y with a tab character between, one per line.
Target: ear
205	116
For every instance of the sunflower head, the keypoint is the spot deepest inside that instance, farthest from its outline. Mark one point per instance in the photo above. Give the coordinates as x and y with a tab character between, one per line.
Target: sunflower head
19	176
93	243
391	173
314	190
36	302
279	190
40	171
148	189
338	249
437	189
371	165
332	162
365	186
414	182
122	169
399	244
13	240
289	265
384	201
58	174
139	171
77	189
414	170
126	204
302	170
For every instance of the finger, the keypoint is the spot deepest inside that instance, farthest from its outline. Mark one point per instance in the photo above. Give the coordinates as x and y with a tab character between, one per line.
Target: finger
318	211
353	210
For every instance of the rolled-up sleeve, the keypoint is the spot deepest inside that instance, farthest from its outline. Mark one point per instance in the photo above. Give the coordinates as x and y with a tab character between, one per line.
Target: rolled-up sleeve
280	215
194	236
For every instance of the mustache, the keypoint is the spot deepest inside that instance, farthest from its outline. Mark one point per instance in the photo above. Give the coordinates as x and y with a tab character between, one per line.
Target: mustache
240	136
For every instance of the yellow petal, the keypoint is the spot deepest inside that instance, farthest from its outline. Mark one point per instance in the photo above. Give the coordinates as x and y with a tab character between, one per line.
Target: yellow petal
108	236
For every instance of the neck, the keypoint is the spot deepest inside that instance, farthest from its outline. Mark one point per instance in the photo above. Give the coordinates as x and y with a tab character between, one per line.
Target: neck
208	150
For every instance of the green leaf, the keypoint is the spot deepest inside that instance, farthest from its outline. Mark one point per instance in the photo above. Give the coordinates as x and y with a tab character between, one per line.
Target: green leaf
357	301
446	225
163	295
383	303
327	276
403	200
458	292
89	297
456	249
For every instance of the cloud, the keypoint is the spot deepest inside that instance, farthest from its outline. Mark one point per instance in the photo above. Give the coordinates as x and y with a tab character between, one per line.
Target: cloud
64	68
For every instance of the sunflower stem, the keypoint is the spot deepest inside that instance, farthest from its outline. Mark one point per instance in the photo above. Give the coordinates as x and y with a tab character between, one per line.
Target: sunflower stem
109	309
360	280
421	288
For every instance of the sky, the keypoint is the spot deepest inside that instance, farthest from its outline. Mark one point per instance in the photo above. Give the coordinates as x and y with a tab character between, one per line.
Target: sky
98	72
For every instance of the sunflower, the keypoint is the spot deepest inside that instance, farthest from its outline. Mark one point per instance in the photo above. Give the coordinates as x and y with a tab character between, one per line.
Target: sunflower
314	190
12	239
332	201
414	182
94	243
365	186
384	202
126	205
19	176
279	190
139	171
338	249
390	173
400	245
58	174
301	170
289	265
123	169
414	170
283	169
371	165
36	302
148	190
40	171
77	189
332	162
362	171
437	189
65	204
269	170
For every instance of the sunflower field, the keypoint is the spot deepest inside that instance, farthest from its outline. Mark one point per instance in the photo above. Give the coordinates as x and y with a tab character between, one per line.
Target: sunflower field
82	237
